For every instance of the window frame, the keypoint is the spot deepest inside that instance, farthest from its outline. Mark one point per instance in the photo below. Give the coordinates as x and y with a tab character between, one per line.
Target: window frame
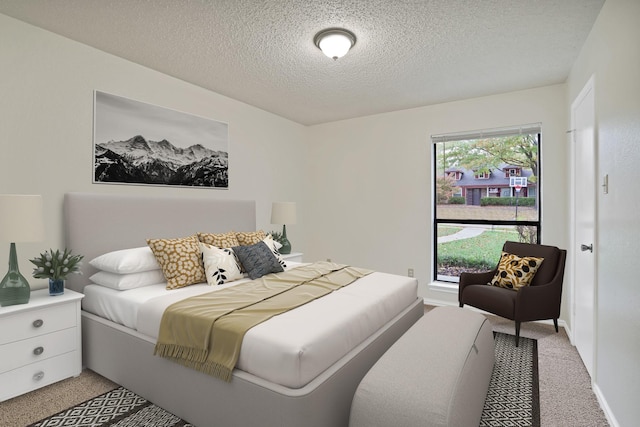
436	221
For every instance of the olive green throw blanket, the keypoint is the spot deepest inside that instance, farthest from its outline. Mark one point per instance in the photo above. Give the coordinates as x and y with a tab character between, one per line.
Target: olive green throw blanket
205	332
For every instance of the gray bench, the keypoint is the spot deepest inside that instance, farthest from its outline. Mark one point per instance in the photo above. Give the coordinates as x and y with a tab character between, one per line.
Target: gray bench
436	374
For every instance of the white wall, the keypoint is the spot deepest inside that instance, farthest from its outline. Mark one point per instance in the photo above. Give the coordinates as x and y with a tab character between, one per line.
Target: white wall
46	131
372	188
363	185
612	56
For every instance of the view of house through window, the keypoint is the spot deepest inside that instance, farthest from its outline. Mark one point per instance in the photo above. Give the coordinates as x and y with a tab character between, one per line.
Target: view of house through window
487	191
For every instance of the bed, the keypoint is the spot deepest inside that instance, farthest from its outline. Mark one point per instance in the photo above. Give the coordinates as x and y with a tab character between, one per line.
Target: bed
123	352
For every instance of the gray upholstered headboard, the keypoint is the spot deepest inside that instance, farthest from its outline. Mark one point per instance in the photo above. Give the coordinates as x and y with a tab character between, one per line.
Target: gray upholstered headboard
95	224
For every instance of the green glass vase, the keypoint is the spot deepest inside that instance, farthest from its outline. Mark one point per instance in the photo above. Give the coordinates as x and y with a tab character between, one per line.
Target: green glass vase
14	288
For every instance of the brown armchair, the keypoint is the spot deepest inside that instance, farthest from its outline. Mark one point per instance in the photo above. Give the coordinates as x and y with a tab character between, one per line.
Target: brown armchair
539	301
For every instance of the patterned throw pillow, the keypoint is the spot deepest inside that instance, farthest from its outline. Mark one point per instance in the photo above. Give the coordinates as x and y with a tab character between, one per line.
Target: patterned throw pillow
180	259
515	272
272	244
220	240
250	237
258	260
220	264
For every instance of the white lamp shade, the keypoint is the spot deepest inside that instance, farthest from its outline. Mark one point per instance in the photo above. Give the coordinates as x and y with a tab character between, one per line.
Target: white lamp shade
283	213
21	218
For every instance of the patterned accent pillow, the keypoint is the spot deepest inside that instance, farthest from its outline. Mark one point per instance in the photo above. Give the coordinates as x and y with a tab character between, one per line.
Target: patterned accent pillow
220	240
250	237
273	245
515	272
220	264
180	259
258	260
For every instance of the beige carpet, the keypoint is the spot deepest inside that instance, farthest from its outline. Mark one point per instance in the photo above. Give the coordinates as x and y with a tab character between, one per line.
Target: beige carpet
31	407
566	397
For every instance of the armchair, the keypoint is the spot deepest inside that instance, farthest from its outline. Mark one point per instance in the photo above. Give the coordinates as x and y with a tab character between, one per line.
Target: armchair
539	301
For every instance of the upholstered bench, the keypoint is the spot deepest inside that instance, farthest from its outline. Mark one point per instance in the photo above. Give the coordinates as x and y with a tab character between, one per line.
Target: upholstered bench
436	374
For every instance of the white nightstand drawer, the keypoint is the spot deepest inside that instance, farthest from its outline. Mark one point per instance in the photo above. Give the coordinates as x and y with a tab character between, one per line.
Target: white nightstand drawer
24	352
32	323
38	375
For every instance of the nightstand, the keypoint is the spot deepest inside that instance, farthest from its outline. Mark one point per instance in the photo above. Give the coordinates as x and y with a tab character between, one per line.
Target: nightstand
40	342
293	257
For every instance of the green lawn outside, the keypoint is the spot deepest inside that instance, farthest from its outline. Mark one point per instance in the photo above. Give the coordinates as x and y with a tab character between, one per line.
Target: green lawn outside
477	253
446	230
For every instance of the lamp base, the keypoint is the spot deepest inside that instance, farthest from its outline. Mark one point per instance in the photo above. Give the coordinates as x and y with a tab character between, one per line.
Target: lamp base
13	296
14	288
286	244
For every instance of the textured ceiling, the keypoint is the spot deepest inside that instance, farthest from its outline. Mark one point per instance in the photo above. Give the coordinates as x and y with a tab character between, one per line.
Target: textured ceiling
408	53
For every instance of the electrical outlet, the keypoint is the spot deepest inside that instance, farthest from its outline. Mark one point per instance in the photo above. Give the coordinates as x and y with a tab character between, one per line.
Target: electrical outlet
410	272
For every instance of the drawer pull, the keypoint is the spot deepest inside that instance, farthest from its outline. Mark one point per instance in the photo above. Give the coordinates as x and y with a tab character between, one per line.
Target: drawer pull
38	376
38	323
38	351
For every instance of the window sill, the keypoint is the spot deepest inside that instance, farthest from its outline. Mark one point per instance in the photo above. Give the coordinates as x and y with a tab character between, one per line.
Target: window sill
447	287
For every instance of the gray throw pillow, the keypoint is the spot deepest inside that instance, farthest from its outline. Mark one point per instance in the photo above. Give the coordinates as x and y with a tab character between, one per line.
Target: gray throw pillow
257	260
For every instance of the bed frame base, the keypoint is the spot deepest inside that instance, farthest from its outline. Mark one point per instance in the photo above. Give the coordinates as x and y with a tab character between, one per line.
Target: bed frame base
127	359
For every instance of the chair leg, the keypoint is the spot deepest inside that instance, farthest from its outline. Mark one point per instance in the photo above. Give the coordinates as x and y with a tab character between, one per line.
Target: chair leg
461	304
517	332
555	323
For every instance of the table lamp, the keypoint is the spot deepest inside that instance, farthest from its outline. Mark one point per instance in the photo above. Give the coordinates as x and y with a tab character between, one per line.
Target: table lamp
21	220
284	213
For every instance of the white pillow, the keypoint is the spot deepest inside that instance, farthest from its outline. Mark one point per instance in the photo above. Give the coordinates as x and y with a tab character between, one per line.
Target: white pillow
135	260
220	264
275	246
128	281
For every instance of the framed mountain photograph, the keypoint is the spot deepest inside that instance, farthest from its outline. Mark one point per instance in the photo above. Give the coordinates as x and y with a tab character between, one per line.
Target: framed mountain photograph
143	144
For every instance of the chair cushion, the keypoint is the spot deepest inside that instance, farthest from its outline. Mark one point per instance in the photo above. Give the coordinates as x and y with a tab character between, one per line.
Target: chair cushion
514	271
496	300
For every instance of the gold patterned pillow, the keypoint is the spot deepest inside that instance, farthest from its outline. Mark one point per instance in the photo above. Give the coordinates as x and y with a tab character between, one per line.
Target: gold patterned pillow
220	240
515	272
246	238
180	259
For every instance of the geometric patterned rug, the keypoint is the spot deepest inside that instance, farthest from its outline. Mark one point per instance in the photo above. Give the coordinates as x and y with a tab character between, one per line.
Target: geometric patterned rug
119	407
512	400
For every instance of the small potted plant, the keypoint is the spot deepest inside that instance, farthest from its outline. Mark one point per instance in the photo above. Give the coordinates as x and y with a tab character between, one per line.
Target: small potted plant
56	266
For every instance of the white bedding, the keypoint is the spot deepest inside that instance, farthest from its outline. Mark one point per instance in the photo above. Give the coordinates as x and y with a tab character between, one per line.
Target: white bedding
290	349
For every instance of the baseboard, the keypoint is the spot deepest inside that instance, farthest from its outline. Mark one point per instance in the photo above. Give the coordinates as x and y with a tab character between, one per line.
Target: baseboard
437	303
605	407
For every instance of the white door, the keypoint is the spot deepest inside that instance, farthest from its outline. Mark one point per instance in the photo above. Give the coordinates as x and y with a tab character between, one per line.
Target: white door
584	232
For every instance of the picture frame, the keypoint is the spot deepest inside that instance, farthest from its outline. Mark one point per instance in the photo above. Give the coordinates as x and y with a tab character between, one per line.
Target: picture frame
137	143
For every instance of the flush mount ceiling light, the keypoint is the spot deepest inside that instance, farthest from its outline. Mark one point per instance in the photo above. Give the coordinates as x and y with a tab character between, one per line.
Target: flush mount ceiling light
335	42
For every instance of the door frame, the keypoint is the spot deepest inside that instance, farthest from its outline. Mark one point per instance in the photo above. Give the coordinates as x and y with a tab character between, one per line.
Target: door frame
575	244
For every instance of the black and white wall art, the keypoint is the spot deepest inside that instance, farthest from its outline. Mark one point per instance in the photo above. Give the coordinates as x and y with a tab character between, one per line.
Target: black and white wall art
139	143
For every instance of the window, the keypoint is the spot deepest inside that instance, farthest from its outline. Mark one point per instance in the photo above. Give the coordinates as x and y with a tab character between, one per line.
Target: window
513	172
494	196
482	175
